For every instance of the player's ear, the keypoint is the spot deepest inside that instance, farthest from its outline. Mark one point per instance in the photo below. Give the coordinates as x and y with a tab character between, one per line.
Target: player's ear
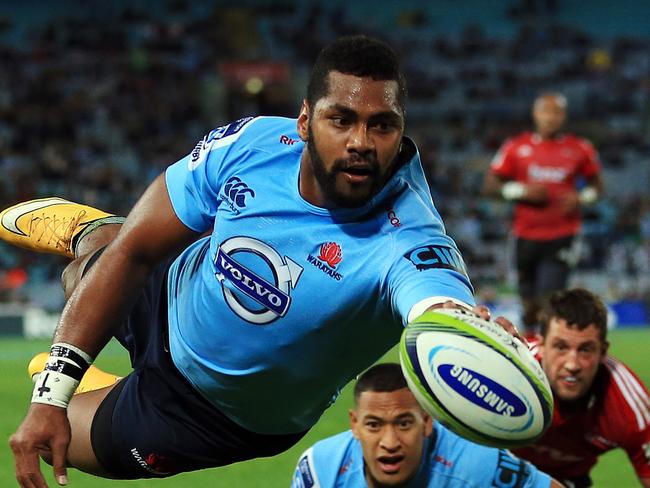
303	121
354	422
428	424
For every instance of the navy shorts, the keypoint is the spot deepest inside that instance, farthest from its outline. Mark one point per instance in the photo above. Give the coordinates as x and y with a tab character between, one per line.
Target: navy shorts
542	266
154	423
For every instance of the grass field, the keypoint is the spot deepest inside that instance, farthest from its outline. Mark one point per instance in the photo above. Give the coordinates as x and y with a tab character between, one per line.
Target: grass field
612	471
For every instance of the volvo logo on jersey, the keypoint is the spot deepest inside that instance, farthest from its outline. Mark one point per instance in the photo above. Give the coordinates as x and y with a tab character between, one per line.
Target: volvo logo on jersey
329	256
248	293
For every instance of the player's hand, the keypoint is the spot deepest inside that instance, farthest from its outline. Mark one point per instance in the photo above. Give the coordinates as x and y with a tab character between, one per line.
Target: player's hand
569	202
484	312
45	429
535	193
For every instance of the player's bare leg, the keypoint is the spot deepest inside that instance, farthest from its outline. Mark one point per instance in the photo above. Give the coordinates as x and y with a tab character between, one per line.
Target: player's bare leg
85	249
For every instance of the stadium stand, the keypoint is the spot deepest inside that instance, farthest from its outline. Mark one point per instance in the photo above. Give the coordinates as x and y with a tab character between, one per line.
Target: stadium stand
97	98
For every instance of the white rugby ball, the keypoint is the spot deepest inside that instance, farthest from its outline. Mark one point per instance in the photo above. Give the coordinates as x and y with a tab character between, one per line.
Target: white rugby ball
476	378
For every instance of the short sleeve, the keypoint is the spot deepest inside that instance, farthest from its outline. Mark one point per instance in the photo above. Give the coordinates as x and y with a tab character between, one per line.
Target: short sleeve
503	163
305	475
193	183
434	268
634	412
591	162
513	471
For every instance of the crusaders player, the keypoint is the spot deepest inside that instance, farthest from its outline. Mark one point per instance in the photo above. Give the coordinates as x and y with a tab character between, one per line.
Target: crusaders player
600	404
540	172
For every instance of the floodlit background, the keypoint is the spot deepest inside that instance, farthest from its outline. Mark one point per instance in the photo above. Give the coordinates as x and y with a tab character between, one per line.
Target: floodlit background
97	98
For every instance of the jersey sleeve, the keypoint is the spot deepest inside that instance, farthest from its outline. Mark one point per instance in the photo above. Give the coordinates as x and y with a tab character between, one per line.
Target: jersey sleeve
503	163
194	182
513	471
305	475
475	465
591	162
432	268
321	465
501	468
634	412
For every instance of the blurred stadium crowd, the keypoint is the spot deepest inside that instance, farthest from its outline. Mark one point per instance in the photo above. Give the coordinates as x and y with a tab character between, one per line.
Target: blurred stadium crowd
96	98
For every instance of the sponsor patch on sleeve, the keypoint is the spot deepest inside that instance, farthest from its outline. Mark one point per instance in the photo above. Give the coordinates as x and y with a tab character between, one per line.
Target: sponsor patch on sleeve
304	477
219	137
435	257
511	472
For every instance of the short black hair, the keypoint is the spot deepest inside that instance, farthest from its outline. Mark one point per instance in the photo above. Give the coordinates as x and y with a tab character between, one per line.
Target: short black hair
384	377
360	56
579	307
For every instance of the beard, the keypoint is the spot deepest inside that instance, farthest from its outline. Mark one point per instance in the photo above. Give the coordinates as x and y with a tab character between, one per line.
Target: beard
327	179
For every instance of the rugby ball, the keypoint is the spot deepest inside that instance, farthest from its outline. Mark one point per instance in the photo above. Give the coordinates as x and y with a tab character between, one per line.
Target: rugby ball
475	378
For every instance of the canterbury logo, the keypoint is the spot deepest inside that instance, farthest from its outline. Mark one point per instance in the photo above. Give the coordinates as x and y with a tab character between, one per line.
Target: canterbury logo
11	216
237	190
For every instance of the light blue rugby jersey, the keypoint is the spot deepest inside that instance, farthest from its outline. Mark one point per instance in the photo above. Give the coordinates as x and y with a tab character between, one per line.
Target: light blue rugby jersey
285	302
448	461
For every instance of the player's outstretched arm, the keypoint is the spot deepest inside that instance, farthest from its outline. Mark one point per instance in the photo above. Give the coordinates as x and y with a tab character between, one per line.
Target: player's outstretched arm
151	233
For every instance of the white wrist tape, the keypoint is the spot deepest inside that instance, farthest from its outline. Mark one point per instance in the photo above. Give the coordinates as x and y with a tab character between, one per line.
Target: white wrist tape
420	307
513	190
62	373
588	195
54	388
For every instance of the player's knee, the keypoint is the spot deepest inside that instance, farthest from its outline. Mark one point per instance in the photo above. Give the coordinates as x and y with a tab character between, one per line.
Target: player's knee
71	276
99	238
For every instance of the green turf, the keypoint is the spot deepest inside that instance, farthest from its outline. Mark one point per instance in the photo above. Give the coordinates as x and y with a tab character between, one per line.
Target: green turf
612	471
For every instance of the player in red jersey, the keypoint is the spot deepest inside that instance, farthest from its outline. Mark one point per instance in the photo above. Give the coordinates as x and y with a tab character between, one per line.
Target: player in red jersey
600	404
540	171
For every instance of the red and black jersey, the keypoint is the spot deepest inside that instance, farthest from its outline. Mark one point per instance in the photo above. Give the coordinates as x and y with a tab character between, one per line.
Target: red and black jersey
615	414
556	163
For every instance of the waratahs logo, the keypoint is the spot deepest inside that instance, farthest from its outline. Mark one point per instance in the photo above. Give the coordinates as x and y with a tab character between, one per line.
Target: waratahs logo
330	252
329	256
248	294
235	192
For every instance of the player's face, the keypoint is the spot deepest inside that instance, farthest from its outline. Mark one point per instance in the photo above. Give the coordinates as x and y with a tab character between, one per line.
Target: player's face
549	115
570	358
353	137
392	428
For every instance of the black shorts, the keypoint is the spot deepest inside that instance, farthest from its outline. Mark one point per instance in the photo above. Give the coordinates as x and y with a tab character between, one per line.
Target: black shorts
543	266
154	423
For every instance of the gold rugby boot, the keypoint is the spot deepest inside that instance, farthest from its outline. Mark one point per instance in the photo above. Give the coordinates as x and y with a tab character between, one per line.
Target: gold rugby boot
51	225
